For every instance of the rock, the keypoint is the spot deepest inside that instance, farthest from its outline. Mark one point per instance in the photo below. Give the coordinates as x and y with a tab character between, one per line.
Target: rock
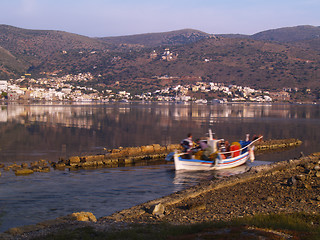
131	151
59	165
99	163
147	149
23	172
44	169
317	168
307	186
307	171
88	164
74	159
291	181
300	177
129	161
270	199
198	207
156	147
62	160
114	155
115	150
158	210
83	217
93	158
317	174
306	165
24	165
318	198
13	167
172	147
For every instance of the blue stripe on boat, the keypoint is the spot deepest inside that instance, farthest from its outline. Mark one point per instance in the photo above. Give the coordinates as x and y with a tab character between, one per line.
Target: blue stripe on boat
226	161
195	160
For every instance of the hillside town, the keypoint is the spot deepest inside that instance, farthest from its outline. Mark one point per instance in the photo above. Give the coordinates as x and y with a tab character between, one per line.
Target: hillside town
73	88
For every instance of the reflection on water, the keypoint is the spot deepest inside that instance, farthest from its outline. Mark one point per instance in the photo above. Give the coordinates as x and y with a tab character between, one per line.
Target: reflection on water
187	178
33	132
184	178
88	116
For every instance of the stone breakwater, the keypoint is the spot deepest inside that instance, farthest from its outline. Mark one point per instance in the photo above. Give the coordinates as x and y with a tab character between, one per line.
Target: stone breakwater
130	156
267	145
121	157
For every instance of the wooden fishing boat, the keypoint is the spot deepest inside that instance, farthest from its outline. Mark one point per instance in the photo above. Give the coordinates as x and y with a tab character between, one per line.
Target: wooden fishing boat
238	155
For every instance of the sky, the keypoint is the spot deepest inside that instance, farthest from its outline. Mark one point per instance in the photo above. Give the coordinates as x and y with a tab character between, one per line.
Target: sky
103	18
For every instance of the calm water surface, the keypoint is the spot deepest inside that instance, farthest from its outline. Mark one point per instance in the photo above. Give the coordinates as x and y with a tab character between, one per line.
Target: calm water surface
34	132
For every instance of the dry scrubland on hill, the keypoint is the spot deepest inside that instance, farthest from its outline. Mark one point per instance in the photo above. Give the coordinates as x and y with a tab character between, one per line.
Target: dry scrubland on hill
265	60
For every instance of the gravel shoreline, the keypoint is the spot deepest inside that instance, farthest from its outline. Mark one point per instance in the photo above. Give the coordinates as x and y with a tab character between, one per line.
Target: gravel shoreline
288	186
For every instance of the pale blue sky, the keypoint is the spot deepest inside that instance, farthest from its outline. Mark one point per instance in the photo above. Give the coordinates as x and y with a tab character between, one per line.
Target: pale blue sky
99	18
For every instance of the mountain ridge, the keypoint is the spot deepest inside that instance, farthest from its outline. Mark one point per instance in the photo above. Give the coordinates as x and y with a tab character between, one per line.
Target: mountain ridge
160	38
136	59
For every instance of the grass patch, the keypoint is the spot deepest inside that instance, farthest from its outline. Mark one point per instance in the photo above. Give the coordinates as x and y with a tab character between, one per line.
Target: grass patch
295	221
299	224
137	231
272	226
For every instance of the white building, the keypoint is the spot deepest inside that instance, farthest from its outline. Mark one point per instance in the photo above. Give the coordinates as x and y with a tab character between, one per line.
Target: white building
3	86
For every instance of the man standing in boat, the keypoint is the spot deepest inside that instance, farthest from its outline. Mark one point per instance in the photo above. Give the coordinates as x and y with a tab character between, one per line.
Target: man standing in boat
187	144
207	150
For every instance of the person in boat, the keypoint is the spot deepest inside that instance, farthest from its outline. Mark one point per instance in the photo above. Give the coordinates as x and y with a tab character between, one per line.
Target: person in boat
207	150
245	143
187	145
227	149
222	146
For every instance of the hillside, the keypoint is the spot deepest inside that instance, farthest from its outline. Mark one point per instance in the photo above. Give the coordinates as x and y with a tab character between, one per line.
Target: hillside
10	66
289	34
179	37
138	61
34	46
234	61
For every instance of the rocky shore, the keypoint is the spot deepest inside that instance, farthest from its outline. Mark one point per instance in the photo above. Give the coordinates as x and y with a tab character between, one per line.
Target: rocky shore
287	187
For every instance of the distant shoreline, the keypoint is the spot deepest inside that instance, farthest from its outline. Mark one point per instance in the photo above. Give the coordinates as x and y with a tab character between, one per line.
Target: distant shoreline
39	102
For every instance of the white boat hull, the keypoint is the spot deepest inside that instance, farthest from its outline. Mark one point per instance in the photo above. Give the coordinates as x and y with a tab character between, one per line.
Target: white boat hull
195	164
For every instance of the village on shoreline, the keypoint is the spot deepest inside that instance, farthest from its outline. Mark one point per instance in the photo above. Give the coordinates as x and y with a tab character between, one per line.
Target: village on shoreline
74	88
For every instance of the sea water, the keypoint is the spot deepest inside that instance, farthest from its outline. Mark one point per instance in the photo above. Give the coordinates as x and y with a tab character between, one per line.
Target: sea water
33	132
